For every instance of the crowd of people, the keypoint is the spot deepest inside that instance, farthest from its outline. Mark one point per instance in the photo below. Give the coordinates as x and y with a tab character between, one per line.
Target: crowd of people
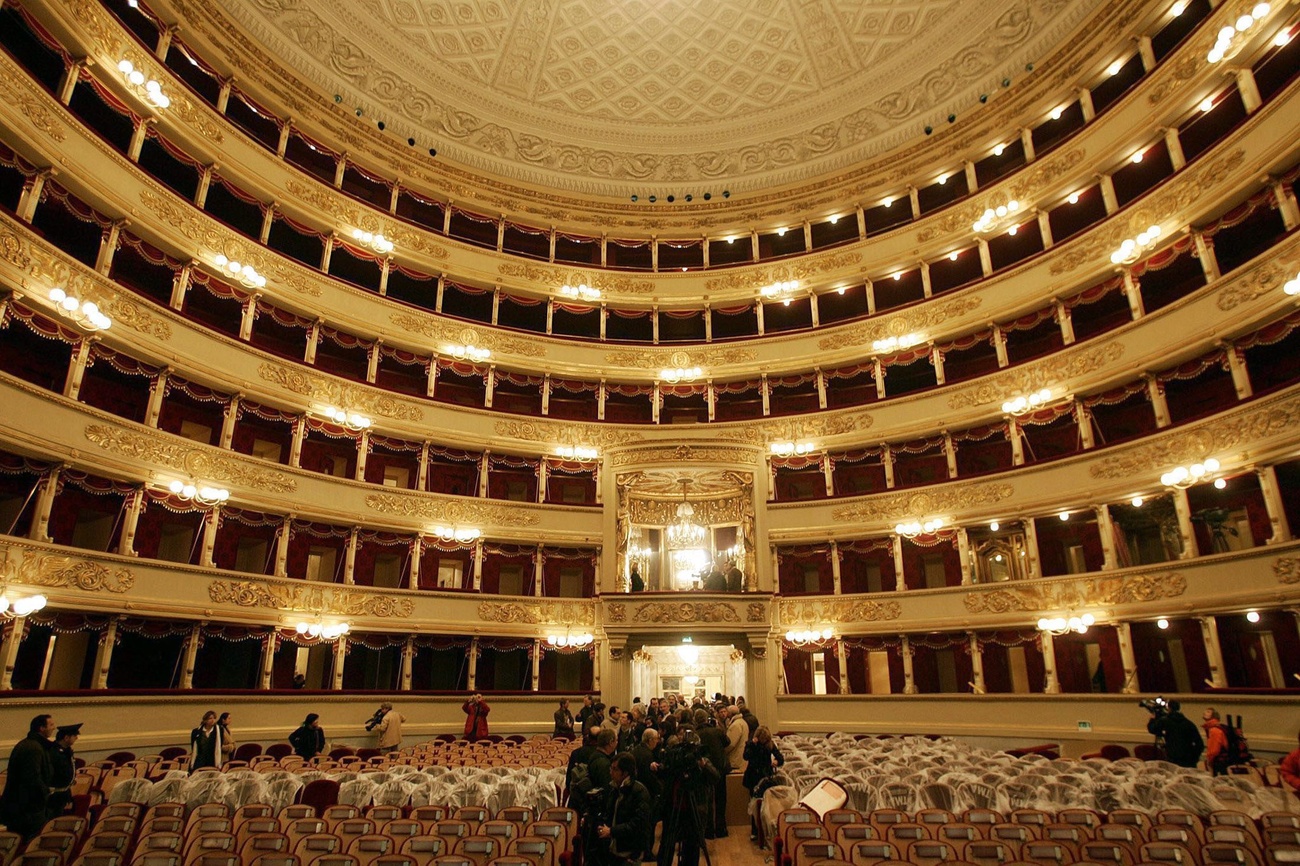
666	763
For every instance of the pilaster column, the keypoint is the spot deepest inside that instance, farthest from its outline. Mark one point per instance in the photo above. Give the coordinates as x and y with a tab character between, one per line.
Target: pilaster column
363	450
372	361
837	585
1045	228
541	481
14	631
108	246
31	195
870	289
1287	205
270	643
408	659
385	270
887	460
1083	418
350	558
821	389
1175	148
1268	486
976	663
77	369
130	522
1237	367
138	135
927	290
878	373
841	657
963	554
268	219
1248	89
282	537
536	655
295	443
1000	346
1108	197
1085	105
909	677
1051	685
204	186
710	399
766	393
157	390
656	402
1183	510
986	256
900	579
1106	529
1131	685
247	316
340	656
537	572
1032	568
1156	394
68	81
472	685
936	361
950	454
1213	651
211	522
546	395
104	654
46	491
914	199
827	474
477	559
1017	445
431	378
483	474
229	415
1205	254
1027	143
1133	293
422	472
1065	320
327	254
192	642
600	402
223	98
416	555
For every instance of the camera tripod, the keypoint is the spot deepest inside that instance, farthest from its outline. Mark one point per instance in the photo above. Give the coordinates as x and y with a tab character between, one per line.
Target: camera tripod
673	827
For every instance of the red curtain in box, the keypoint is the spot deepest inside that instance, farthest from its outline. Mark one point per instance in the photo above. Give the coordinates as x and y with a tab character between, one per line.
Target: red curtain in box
1212	510
928	655
1050	433
995	649
513	478
305	535
982	449
567	481
436	550
547	673
858	472
371	544
923	461
82	497
453	471
556	560
499	556
1057	537
1246	657
1075	670
862	561
794	564
238	525
1154	654
386	452
918	551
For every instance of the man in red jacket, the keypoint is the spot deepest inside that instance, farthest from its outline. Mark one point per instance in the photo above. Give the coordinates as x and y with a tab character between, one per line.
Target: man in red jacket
1290	771
1216	740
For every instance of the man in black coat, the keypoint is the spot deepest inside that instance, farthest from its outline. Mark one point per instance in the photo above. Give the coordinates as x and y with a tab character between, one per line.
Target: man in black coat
649	758
628	808
714	741
1183	743
63	768
27	784
598	767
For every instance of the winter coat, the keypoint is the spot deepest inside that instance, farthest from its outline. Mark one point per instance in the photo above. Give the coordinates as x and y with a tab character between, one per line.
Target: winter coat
476	726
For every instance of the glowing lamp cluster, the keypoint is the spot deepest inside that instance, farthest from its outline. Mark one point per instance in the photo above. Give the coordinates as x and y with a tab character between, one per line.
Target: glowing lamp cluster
323	630
1232	36
21	606
204	495
345	419
1129	251
1064	625
375	240
893	344
245	273
1183	477
580	292
85	313
1022	404
780	290
577	452
992	215
460	534
569	640
804	637
673	375
1292	286
791	449
468	353
152	89
914	528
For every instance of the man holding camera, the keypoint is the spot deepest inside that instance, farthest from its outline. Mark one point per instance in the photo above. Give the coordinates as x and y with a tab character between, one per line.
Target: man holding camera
1182	740
476	712
388	722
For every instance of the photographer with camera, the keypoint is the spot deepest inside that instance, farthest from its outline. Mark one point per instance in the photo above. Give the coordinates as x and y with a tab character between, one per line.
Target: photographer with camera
389	724
688	780
628	809
1178	734
476	712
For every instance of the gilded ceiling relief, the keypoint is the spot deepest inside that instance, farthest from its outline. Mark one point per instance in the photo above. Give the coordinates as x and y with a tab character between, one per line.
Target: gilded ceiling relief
196	461
1055	371
1216	438
939	502
1092	592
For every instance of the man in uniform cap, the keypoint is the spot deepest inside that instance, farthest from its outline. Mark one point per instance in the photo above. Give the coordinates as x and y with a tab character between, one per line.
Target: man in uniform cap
62	768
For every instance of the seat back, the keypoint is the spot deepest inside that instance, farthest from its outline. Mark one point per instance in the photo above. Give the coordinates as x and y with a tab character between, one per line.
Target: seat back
521	815
428	815
472	815
424	848
538	850
1107	853
310	847
928	852
479	849
1165	852
351	828
299	828
370	847
987	852
812	851
109	841
563	815
846	835
402	828
1046	851
382	814
1227	853
276	858
872	852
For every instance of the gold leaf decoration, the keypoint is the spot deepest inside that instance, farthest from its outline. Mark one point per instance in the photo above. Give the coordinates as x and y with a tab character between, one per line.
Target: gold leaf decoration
1210	438
50	570
924	317
803	269
1287	569
641	359
197	461
793	429
842	612
591	435
1256	282
460	334
1046	596
538	613
552	277
1028	378
685	454
448	511
32	106
616	612
755	612
300	597
338	393
939	501
685	612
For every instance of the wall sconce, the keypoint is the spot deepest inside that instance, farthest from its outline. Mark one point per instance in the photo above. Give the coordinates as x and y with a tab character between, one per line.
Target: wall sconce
806	637
581	292
781	289
375	240
199	495
1062	625
1233	36
347	420
1182	477
892	344
246	274
320	630
1132	248
468	353
152	89
790	449
569	640
1022	405
673	375
14	608
461	534
581	453
86	314
993	214
914	528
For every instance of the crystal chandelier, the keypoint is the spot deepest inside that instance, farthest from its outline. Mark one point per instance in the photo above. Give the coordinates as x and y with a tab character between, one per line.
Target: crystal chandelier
685	533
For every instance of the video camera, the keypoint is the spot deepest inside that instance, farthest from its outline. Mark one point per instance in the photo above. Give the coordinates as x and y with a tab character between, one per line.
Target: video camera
376	719
682	761
1157	707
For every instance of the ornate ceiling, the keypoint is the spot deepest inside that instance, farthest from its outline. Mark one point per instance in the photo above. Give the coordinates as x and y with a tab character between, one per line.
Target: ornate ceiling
615	97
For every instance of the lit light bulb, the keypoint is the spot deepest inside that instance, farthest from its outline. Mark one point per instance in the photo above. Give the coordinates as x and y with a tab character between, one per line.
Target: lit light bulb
995	526
1252	616
1137	501
1162	623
